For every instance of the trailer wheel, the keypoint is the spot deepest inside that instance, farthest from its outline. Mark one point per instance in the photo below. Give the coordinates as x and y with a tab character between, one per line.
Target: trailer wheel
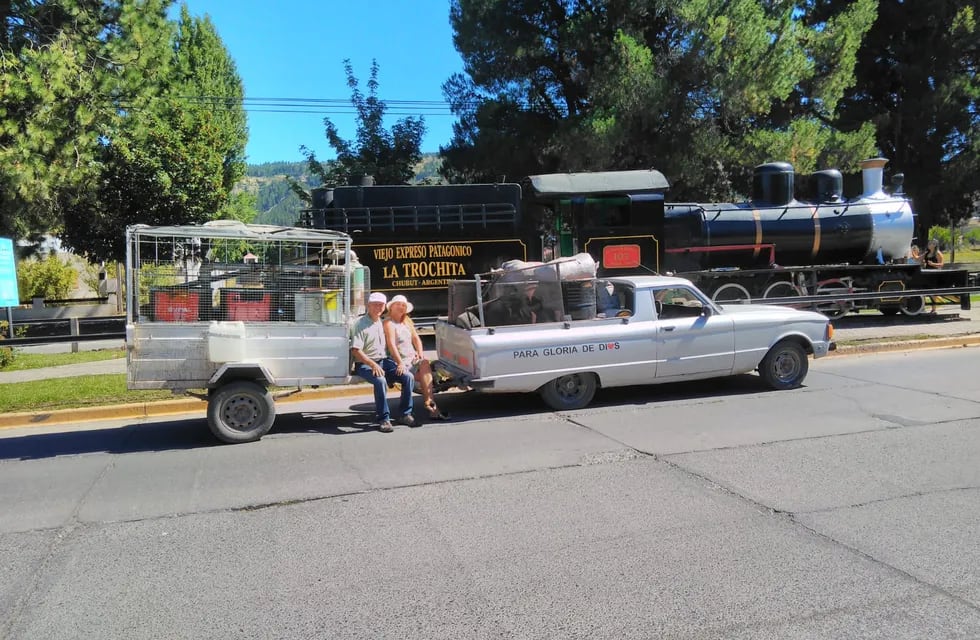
573	391
241	411
785	366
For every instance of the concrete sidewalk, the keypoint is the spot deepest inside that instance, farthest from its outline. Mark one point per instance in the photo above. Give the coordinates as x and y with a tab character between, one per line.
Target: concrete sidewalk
860	333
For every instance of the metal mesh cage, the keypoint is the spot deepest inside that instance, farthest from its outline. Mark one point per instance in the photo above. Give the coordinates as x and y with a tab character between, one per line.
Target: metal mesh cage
229	271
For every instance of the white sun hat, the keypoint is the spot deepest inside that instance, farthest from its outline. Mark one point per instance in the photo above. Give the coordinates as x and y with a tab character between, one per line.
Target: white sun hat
401	298
377	296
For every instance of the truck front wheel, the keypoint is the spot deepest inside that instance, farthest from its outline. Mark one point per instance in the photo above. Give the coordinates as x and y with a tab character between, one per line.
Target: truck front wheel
785	366
573	391
241	411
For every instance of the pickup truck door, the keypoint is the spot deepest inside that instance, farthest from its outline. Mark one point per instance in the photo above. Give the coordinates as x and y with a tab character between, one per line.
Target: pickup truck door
692	340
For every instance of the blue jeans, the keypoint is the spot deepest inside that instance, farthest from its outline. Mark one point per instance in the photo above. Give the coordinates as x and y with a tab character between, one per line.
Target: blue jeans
381	410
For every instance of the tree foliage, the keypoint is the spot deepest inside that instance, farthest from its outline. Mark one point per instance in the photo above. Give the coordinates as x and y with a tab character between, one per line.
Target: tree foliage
702	89
917	85
70	71
115	115
177	160
389	156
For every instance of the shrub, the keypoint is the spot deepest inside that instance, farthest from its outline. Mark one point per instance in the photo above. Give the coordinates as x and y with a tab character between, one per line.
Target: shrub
49	278
6	353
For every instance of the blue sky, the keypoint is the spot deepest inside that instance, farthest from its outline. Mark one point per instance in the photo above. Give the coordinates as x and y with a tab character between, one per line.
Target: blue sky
296	50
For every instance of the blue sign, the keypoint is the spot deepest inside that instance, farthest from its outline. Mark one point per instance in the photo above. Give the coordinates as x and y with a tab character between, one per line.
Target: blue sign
8	274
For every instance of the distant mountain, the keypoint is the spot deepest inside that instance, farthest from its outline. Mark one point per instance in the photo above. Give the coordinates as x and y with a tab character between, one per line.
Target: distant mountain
275	200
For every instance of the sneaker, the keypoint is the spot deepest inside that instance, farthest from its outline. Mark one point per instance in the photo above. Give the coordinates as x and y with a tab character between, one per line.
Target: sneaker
386	427
408	420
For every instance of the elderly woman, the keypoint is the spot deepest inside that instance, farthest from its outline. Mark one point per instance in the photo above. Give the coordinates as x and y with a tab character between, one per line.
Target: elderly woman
405	347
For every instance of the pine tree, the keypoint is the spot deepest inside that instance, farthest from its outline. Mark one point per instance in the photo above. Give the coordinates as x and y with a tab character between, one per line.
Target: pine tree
175	161
917	83
69	72
702	89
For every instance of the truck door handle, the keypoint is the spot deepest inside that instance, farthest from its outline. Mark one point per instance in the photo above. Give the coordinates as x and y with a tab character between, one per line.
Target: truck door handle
667	328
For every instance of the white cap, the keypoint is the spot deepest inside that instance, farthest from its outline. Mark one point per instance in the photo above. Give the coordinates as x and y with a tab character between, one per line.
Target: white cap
401	298
377	296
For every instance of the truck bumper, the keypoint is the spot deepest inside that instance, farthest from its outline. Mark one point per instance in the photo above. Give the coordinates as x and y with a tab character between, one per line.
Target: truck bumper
448	376
820	349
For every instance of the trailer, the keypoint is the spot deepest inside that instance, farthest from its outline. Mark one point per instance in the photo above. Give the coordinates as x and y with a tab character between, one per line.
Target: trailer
235	313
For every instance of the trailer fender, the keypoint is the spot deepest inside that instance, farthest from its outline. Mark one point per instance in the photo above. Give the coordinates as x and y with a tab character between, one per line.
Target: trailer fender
232	371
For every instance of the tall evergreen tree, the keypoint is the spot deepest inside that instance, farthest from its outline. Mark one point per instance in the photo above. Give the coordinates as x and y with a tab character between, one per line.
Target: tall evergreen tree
917	83
70	71
175	161
702	89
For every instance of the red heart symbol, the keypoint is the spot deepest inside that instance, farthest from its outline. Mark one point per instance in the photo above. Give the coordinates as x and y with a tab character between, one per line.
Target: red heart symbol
610	345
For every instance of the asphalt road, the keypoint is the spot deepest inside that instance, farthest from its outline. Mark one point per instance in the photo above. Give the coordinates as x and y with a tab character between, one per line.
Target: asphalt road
846	509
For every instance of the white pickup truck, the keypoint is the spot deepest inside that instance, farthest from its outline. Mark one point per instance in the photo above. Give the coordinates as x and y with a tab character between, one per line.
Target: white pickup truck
644	330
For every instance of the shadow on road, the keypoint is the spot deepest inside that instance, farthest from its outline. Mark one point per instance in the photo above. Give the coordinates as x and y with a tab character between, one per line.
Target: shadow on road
871	320
193	433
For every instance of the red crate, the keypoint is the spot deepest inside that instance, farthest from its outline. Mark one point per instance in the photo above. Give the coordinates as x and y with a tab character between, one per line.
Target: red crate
175	306
246	304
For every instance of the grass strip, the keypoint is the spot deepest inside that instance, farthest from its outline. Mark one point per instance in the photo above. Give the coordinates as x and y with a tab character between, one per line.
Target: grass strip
72	393
24	361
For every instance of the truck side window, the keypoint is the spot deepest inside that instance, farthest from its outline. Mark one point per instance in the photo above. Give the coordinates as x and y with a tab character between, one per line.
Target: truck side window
676	302
613	300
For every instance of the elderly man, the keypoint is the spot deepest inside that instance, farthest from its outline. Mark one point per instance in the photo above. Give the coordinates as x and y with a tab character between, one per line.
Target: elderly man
372	363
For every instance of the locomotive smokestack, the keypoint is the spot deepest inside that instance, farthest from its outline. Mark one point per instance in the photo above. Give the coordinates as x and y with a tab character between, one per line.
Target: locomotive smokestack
872	171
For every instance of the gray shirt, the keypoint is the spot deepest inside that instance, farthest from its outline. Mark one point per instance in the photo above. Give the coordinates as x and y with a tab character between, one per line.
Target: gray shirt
369	336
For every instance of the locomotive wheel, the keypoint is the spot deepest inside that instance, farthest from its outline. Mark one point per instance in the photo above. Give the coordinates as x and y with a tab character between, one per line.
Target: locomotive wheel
913	306
241	411
785	366
731	293
573	391
837	308
781	289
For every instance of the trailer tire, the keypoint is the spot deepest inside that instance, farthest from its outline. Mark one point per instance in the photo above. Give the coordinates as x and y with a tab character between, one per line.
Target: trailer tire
240	411
573	391
785	366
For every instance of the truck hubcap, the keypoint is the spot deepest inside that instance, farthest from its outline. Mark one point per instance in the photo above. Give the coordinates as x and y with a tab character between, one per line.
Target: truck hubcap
570	386
786	366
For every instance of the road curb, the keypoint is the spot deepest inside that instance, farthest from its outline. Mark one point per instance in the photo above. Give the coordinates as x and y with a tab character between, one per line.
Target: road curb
196	406
139	410
905	345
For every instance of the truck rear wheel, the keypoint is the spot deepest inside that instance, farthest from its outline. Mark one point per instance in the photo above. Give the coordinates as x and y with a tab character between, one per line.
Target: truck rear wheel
785	366
241	411
573	391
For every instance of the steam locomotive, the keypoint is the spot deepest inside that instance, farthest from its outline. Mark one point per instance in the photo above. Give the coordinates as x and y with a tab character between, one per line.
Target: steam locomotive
777	246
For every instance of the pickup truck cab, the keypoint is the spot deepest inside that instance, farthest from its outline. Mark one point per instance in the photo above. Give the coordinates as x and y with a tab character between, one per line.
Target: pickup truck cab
645	330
